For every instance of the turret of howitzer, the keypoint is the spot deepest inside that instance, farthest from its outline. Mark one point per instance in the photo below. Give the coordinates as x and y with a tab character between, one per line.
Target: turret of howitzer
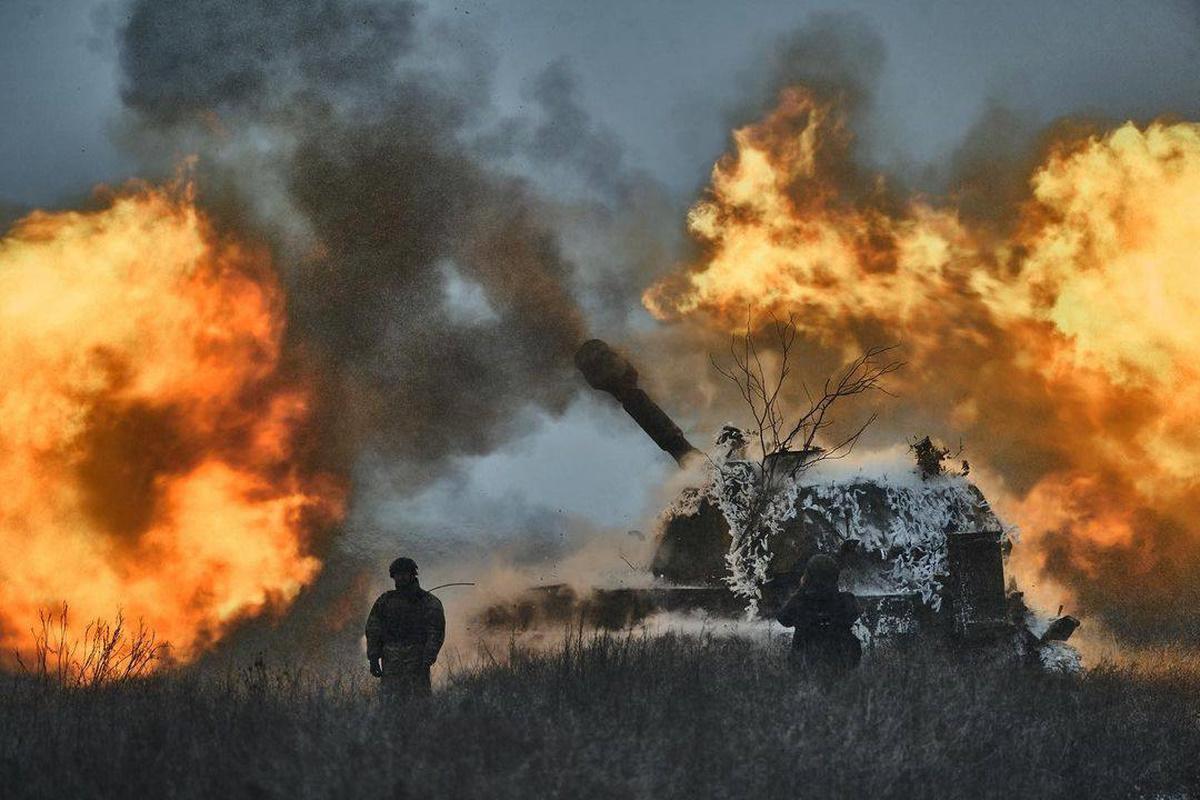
607	371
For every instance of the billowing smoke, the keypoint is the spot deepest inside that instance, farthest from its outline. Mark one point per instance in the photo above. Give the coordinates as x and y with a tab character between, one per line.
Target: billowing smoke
423	282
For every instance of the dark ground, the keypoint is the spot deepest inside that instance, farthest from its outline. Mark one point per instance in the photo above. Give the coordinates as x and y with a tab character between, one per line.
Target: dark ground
617	717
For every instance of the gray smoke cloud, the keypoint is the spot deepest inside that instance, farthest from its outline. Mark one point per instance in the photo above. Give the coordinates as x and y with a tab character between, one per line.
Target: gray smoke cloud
839	54
562	134
424	283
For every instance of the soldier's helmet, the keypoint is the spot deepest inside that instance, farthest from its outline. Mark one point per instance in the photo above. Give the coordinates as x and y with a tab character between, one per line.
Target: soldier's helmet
402	564
821	572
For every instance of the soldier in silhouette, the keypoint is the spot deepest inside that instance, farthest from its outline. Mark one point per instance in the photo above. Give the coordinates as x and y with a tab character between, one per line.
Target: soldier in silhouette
405	631
822	616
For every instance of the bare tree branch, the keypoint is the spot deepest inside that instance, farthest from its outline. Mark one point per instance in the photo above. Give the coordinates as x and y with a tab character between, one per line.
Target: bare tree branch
105	653
781	430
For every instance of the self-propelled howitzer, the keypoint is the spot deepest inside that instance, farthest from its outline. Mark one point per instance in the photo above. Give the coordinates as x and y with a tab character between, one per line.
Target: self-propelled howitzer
922	554
921	551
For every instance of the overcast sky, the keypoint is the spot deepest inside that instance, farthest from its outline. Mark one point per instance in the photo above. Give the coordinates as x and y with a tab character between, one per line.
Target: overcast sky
662	76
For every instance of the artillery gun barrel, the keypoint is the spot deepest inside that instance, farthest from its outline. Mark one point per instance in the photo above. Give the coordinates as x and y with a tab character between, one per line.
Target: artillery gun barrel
607	371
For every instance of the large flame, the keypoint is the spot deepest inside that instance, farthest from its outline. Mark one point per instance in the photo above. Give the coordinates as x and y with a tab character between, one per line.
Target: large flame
1063	345
147	431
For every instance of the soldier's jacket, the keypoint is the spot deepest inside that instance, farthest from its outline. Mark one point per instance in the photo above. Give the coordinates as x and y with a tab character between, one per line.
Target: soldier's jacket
823	637
406	629
819	613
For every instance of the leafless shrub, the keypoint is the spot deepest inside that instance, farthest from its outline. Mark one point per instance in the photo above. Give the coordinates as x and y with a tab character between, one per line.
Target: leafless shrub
105	653
780	430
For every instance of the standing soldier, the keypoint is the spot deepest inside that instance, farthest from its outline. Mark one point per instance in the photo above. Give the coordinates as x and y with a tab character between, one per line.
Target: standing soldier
405	631
822	616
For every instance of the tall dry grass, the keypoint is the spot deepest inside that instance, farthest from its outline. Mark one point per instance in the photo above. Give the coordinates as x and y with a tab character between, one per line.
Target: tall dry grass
103	653
615	716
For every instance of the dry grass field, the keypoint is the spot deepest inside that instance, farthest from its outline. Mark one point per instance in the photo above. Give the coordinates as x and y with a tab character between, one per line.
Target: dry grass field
615	717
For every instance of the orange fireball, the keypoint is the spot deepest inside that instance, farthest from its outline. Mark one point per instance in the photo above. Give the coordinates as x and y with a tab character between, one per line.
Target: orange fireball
147	429
1063	346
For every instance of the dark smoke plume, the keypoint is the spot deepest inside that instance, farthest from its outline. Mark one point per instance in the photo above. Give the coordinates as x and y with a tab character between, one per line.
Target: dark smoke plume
335	130
839	54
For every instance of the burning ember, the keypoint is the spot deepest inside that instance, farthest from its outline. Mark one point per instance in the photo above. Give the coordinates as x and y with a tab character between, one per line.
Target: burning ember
147	425
1057	336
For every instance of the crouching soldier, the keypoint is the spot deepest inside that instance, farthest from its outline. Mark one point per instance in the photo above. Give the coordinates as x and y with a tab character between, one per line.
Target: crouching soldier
405	631
822	616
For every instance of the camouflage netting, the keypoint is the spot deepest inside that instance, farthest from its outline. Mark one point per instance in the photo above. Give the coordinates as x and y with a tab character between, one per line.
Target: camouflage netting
897	519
